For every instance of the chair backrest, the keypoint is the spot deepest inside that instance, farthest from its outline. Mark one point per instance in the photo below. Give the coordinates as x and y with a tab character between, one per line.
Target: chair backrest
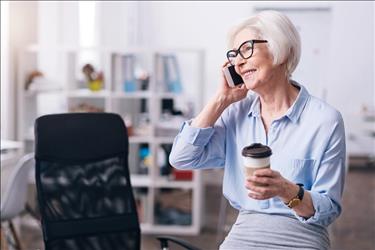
15	193
83	182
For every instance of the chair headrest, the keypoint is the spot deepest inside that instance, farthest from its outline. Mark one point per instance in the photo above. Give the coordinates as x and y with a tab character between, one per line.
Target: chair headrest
79	136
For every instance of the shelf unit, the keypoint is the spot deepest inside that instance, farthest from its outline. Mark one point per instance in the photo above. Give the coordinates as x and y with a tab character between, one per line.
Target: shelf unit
149	186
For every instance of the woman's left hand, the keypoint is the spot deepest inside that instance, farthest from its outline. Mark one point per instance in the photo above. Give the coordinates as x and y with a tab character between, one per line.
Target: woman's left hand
273	184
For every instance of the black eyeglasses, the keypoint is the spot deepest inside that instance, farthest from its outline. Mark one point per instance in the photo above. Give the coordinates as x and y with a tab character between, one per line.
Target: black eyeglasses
245	50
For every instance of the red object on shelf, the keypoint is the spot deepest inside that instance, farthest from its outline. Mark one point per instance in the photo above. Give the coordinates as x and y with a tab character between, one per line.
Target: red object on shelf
139	208
182	175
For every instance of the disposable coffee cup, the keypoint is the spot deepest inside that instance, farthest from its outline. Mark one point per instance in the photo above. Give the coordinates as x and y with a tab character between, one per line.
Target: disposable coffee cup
256	156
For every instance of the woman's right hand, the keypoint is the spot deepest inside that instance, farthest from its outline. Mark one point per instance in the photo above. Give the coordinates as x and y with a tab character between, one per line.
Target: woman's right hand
215	107
227	94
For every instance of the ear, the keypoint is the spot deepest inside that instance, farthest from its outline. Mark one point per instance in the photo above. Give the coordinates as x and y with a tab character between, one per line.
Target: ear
284	66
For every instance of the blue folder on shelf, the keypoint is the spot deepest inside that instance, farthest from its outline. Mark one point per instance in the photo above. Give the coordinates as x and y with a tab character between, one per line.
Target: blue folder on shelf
171	78
129	79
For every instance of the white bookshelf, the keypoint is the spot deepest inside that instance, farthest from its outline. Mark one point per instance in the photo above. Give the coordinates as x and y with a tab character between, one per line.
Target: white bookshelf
150	186
86	93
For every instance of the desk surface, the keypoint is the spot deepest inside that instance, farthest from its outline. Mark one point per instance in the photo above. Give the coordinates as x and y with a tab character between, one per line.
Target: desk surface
10	152
7	144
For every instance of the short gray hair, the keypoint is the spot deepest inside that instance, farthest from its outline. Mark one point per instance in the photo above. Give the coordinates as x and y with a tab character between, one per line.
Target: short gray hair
284	42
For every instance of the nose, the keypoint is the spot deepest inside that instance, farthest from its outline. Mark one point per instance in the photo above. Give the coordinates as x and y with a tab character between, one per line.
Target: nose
240	61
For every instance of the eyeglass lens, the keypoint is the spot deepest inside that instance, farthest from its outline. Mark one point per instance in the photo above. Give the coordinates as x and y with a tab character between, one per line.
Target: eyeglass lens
245	51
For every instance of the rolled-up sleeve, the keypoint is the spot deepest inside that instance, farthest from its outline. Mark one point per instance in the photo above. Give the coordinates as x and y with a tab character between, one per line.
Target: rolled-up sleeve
326	192
199	148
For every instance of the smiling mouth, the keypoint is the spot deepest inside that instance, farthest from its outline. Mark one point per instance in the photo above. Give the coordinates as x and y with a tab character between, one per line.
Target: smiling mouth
248	73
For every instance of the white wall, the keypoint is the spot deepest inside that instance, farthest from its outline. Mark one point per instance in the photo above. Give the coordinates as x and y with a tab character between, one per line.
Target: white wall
58	24
4	69
351	79
22	32
58	27
118	23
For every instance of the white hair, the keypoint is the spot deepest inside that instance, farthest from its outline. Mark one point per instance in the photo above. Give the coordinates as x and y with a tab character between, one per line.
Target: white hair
284	42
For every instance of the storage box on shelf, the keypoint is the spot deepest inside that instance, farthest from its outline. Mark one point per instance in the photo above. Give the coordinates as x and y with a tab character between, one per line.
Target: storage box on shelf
154	91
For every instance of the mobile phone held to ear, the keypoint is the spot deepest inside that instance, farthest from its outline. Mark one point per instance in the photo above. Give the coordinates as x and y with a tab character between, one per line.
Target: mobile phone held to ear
232	77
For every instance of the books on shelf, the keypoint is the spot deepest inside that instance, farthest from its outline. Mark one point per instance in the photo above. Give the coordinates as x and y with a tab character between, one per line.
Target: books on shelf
141	201
124	72
169	125
128	69
168	73
182	175
173	207
166	169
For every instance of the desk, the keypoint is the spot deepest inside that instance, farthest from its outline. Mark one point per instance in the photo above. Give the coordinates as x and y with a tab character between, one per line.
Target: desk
6	145
11	151
361	140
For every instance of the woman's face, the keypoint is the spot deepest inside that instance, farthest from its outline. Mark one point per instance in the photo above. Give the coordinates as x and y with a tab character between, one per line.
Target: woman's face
258	70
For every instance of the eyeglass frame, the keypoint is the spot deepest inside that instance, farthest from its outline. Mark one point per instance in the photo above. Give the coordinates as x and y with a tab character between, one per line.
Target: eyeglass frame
238	52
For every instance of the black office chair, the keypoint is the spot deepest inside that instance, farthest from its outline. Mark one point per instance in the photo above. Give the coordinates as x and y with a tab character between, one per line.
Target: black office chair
83	185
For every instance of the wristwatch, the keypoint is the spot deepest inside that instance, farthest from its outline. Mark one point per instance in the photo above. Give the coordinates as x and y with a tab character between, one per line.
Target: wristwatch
295	201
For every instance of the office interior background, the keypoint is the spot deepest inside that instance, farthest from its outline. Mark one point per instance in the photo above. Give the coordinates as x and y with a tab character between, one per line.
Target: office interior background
132	48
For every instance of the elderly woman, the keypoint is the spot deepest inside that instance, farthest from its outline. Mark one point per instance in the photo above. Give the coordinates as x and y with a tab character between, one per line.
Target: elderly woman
306	136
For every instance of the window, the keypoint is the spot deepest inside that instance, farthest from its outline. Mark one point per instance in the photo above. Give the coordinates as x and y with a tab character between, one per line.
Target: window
5	69
87	24
88	35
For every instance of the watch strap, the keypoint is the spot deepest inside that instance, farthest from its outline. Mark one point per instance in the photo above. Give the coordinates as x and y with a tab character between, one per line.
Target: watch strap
298	198
301	191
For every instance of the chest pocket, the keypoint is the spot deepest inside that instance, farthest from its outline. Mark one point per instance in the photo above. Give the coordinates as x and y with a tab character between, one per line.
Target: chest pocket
299	171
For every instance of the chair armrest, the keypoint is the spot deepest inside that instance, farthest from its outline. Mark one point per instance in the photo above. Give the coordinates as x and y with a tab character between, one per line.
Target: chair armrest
164	242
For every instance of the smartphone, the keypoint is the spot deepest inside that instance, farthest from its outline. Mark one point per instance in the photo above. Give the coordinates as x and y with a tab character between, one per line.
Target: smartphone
232	77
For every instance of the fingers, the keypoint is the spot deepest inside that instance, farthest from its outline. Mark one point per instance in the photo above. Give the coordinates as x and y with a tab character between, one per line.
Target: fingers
222	72
267	181
224	82
257	196
264	184
236	93
225	64
261	193
266	172
243	89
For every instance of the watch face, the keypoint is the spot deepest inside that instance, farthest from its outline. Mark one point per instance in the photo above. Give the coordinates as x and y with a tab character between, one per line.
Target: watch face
294	203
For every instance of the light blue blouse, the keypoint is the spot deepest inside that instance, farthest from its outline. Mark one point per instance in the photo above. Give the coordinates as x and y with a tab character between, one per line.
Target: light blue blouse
308	145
